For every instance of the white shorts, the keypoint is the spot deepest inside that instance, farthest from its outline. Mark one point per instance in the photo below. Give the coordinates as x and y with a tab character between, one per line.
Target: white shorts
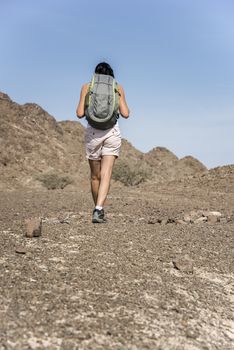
100	143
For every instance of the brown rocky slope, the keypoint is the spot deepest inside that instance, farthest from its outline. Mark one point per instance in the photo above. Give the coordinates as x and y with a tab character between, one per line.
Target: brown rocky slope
33	143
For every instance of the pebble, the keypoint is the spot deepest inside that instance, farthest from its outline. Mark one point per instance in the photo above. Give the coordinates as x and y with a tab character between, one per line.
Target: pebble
190	333
151	222
181	222
187	219
214	213
223	220
200	220
33	227
184	264
164	221
212	219
20	250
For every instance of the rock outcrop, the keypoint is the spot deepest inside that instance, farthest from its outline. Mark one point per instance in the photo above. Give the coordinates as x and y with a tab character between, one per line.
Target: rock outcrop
32	143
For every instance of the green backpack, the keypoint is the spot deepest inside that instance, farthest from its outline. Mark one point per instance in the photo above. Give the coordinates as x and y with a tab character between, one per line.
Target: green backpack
102	102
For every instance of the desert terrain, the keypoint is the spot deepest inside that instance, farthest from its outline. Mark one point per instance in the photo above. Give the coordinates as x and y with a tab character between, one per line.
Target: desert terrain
158	275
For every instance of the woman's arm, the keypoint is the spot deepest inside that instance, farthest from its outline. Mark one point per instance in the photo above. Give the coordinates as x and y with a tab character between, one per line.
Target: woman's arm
123	107
81	106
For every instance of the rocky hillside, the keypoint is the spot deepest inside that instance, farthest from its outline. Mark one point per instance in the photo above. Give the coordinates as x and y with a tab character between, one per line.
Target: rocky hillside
167	166
33	143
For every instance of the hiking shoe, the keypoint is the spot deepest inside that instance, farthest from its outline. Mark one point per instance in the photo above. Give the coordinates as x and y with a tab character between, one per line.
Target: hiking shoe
98	216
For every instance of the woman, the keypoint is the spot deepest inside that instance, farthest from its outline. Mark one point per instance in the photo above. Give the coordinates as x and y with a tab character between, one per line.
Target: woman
102	146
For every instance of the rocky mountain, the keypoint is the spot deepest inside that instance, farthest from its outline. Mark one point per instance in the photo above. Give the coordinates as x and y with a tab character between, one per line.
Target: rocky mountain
167	166
32	143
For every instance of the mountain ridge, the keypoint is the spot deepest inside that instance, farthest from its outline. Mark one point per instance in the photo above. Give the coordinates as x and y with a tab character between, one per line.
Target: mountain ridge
34	142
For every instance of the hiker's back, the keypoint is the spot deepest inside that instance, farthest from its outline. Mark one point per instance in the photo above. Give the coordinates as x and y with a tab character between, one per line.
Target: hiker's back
102	102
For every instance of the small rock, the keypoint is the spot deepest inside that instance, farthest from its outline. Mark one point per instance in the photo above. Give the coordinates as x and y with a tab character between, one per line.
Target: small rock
64	221
180	222
187	219
190	333
195	214
64	218
184	264
164	221
20	250
205	347
214	213
170	221
141	219
33	227
223	220
212	219
151	222
200	220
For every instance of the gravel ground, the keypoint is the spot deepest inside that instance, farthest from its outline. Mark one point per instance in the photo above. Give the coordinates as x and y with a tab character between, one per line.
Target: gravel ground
129	284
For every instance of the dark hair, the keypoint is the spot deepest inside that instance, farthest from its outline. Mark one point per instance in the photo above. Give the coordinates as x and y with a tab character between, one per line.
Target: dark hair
104	68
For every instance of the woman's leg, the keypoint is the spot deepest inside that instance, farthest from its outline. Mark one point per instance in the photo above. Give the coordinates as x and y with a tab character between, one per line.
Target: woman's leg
95	168
107	163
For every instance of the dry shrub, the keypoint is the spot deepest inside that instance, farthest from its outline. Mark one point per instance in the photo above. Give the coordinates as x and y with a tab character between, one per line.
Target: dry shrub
54	181
129	175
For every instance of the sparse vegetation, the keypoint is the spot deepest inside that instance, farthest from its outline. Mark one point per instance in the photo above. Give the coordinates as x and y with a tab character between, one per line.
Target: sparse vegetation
129	175
54	181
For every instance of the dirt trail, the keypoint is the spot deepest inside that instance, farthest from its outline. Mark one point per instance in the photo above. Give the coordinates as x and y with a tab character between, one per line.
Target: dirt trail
115	286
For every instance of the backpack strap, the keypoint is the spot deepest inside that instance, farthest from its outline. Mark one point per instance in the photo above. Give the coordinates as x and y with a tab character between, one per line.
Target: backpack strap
116	95
117	89
90	89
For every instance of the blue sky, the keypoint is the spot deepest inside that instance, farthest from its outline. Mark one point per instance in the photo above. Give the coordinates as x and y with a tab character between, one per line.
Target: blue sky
174	58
